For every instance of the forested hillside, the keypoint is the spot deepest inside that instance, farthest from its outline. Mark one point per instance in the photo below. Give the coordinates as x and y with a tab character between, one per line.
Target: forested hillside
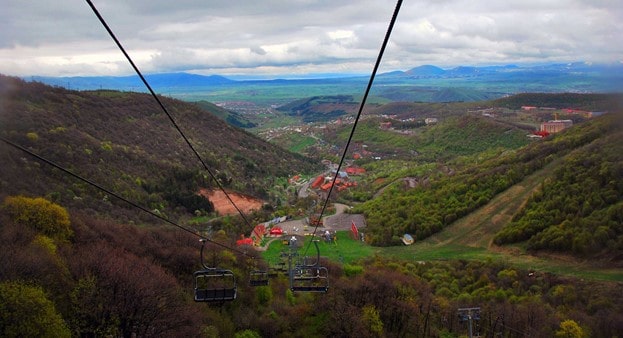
580	201
321	108
101	278
125	142
588	102
580	207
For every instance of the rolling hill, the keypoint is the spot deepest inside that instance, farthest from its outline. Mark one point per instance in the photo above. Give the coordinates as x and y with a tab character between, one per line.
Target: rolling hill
576	210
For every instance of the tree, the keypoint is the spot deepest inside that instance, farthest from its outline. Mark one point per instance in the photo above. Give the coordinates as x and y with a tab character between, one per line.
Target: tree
40	214
247	334
123	294
25	311
570	329
372	320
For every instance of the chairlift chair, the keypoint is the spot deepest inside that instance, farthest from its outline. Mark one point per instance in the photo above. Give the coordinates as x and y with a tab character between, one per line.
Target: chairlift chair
309	277
272	272
258	278
214	284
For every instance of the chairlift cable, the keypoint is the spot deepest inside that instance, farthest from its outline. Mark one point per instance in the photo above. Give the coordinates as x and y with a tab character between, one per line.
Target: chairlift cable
361	105
85	180
164	109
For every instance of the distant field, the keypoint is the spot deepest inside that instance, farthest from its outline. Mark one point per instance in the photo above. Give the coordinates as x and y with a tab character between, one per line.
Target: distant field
264	94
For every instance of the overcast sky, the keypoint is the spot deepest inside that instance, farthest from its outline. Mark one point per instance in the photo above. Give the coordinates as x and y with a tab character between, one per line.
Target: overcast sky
300	37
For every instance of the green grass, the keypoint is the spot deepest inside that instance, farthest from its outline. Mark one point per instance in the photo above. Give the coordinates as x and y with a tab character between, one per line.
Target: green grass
299	144
452	251
427	253
345	250
349	251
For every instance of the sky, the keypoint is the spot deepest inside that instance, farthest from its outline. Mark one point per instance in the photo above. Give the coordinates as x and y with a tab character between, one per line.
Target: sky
301	38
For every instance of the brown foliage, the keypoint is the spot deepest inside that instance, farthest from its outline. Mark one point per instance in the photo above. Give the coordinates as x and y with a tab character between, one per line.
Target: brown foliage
130	293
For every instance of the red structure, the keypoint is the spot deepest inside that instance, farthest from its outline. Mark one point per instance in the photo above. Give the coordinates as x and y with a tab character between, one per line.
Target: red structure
317	182
355	171
541	133
244	241
258	233
276	231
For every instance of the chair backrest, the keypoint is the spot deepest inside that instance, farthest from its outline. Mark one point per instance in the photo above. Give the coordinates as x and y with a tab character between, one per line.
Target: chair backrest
215	285
309	279
258	278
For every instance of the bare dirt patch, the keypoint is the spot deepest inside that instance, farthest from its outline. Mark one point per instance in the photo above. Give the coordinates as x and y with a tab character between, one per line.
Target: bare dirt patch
224	206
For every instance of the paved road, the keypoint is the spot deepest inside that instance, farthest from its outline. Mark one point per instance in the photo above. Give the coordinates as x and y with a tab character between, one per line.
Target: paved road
303	192
337	221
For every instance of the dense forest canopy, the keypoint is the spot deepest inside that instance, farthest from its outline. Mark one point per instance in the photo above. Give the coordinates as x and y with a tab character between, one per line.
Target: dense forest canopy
120	280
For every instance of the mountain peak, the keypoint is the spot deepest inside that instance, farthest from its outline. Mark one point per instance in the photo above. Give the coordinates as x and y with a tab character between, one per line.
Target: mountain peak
425	70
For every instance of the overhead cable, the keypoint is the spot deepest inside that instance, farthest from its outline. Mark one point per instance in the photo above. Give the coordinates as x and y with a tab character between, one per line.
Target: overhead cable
164	109
361	105
93	184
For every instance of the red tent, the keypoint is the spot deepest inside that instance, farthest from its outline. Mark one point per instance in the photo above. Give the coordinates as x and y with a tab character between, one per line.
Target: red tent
276	231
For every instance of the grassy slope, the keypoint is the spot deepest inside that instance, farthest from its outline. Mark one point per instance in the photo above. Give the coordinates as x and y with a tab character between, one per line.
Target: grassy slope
471	238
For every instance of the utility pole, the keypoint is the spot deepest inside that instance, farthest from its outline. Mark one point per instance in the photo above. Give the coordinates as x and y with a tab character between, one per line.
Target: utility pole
469	314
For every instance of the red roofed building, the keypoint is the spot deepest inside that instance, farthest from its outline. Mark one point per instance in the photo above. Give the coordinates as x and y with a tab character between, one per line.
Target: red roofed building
556	126
326	186
317	182
355	171
258	233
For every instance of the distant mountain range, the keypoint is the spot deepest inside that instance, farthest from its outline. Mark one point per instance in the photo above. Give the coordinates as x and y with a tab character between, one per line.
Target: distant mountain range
133	81
490	81
566	68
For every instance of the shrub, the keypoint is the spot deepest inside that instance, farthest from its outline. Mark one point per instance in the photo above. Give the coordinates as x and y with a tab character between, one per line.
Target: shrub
40	214
25	311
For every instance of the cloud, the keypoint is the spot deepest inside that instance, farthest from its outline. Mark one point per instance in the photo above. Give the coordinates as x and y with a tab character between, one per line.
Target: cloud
258	50
54	38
